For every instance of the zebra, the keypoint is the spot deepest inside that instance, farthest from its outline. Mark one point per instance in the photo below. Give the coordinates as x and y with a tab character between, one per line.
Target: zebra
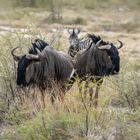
78	44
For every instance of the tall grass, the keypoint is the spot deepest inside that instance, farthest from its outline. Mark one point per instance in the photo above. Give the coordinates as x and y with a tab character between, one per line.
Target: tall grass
24	117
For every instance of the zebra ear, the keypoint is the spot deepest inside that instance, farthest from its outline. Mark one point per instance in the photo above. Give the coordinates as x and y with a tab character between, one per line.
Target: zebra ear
77	31
70	31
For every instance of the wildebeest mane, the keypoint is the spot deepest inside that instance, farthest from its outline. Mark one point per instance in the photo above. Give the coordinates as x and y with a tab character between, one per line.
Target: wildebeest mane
56	64
95	39
22	70
38	44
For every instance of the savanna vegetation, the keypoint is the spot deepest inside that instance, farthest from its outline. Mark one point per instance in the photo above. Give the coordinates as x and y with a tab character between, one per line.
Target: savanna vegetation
117	117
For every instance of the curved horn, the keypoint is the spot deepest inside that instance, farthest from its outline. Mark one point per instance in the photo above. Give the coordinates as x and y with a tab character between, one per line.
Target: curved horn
121	44
98	43
16	58
32	57
105	47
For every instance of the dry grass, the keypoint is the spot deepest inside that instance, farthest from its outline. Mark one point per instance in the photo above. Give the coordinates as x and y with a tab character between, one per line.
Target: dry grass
23	116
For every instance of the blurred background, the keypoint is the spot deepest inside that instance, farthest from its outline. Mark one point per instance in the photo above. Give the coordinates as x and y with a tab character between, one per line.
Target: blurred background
92	15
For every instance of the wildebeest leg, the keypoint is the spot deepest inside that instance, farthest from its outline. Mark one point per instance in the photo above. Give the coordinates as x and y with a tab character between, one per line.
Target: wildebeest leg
24	95
62	93
97	92
53	97
43	97
86	88
20	95
90	94
80	86
96	96
60	97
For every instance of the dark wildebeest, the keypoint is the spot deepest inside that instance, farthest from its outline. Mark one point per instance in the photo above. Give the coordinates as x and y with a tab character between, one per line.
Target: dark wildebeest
77	44
101	59
23	62
44	69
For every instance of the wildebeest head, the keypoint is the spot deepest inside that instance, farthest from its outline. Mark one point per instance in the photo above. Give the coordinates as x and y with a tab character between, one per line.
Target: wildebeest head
24	62
74	41
113	53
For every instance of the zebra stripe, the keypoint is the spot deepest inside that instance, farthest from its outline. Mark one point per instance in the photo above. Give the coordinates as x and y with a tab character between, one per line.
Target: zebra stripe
79	45
84	43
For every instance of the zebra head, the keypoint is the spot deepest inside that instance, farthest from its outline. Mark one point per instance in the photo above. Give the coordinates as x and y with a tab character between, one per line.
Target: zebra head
74	41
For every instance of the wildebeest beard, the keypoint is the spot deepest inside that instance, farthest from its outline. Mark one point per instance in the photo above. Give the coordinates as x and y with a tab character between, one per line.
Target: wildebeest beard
21	71
29	73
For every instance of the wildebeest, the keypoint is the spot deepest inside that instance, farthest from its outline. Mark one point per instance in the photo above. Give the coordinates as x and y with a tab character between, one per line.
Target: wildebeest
101	59
23	62
44	68
77	44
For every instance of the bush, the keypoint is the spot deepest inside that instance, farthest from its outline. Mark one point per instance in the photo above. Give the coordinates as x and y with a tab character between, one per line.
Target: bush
128	88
